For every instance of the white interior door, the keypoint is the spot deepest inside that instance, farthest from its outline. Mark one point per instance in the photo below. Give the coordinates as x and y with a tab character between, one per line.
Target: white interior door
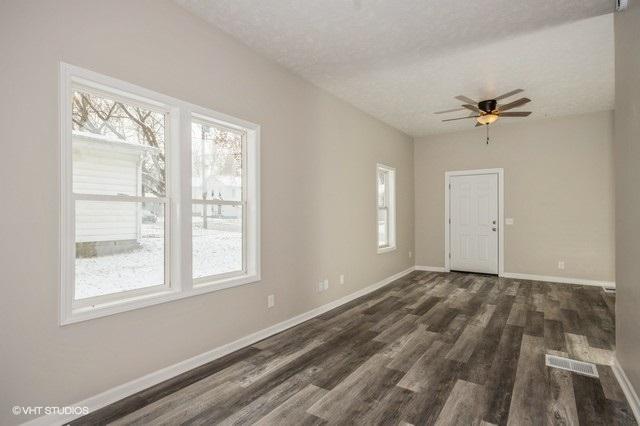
474	223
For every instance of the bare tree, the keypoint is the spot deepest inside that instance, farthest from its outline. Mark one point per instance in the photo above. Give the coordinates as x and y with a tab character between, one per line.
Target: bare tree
133	123
102	116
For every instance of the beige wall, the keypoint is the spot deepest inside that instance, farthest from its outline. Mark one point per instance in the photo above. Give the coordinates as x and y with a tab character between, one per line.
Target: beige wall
318	193
627	178
558	189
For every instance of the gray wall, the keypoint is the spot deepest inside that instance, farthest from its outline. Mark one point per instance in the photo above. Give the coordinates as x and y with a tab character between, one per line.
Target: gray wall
558	189
318	193
627	178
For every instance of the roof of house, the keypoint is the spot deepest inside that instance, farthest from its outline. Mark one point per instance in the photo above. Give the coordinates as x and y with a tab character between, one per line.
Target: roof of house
110	141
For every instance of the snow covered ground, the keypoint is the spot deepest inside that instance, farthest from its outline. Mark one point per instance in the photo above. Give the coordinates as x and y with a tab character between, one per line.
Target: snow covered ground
217	249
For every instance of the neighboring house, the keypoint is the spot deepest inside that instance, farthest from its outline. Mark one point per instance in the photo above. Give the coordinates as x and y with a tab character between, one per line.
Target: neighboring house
110	166
226	188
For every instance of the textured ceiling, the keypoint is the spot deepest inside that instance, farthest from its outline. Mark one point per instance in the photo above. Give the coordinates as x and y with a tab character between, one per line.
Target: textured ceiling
402	60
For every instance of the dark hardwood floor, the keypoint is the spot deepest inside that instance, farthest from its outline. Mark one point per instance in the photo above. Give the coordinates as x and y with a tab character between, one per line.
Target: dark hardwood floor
430	348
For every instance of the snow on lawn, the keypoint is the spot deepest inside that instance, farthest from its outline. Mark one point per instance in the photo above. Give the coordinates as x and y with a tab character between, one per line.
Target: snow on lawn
217	249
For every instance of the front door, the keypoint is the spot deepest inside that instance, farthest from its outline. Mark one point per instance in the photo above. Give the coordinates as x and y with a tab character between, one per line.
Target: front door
474	223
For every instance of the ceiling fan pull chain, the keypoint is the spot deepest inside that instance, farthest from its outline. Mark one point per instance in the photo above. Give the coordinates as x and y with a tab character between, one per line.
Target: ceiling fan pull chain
487	133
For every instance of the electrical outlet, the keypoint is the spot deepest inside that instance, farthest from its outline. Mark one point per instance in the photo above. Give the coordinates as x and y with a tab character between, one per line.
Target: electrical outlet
271	301
561	264
341	279
321	286
326	284
509	221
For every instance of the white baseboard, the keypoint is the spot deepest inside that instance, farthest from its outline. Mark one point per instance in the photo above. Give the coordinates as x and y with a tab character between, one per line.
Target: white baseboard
117	393
562	280
627	388
431	268
532	277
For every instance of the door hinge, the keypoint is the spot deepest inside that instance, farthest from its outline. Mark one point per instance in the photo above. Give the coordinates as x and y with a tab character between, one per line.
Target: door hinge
449	255
449	186
449	221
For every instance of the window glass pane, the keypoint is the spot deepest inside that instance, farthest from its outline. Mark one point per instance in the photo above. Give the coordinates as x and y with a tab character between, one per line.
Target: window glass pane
217	239
382	187
216	163
118	147
120	246
383	237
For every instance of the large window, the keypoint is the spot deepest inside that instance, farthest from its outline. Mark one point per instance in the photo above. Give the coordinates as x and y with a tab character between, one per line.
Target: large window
386	207
159	197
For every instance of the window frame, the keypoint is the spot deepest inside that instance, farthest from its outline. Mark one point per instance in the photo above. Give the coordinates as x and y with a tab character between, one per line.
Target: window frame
389	206
249	201
90	302
177	200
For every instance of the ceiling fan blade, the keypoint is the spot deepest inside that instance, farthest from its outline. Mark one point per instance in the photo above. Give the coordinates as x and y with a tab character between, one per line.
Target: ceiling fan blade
449	110
506	95
472	108
466	100
479	124
514	104
515	114
461	118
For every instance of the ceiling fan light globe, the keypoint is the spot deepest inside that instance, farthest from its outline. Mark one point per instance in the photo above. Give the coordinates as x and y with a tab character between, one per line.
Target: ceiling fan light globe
487	118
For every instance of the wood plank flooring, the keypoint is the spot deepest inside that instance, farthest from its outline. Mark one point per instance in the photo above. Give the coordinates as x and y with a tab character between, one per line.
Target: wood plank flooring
430	348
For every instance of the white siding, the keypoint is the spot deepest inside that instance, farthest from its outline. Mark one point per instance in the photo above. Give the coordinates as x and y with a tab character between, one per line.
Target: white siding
106	168
99	175
106	221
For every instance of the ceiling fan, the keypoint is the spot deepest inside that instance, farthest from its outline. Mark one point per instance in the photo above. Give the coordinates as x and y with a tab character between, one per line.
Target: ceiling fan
488	111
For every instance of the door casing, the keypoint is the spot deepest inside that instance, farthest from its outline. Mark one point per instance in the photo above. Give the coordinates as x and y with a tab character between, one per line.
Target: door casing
447	216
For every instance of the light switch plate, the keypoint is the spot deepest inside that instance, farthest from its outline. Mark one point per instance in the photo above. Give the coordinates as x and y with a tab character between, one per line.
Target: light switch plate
271	301
508	221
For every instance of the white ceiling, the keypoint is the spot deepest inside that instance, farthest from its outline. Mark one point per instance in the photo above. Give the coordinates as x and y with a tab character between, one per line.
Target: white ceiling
402	60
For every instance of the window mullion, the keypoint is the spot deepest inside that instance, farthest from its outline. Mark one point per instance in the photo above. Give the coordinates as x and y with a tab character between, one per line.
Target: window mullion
183	200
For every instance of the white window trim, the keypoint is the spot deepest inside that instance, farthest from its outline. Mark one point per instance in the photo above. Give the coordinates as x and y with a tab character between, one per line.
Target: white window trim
179	282
391	209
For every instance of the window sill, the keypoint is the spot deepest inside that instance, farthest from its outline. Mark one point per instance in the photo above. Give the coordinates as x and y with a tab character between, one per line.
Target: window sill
207	286
386	249
86	313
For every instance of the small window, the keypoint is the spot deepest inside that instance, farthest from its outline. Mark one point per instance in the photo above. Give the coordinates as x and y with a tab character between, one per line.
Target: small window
386	208
160	198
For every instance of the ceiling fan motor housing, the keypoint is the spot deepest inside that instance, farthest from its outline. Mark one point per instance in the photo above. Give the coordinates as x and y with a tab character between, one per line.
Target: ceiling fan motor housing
488	105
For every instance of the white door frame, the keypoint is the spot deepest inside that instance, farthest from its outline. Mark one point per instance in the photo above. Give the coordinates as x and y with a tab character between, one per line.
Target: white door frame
447	230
